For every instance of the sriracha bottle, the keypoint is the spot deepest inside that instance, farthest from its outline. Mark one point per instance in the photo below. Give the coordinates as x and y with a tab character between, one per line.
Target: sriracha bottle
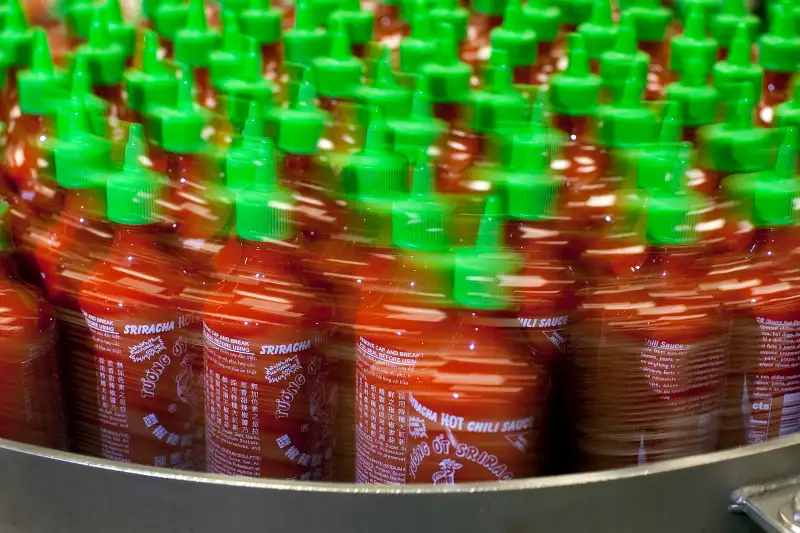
269	404
138	400
650	350
760	296
488	391
29	367
401	320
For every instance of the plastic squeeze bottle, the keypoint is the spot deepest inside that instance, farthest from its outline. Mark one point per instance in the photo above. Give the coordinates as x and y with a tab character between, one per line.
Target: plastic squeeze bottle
106	59
760	296
778	49
269	404
193	46
139	399
650	351
398	322
477	405
79	235
262	21
41	91
152	85
356	256
32	411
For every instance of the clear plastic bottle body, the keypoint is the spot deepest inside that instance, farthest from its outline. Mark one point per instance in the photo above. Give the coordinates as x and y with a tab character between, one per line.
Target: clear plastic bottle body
137	395
650	353
270	399
30	370
758	290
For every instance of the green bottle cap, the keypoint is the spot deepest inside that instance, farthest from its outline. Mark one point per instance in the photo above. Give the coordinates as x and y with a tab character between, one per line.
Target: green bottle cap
787	114
106	57
42	86
421	47
262	22
224	63
154	85
733	14
616	64
488	7
16	38
170	18
449	77
132	195
738	69
393	99
697	99
499	104
338	73
629	121
655	163
80	159
249	85
576	91
779	48
651	19
480	271
377	172
776	193
575	12
78	17
121	33
179	129
708	8
301	125
419	222
693	42
599	31
306	41
149	8
531	188
242	158
358	21
323	9
544	18
195	42
234	6
537	131
515	37
409	8
420	129
737	145
264	210
81	95
672	217
449	12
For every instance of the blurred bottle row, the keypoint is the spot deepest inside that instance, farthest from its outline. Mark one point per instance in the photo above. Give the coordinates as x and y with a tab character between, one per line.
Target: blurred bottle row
249	261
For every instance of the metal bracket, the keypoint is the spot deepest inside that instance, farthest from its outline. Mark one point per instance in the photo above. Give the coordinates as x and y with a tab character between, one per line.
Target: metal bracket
775	507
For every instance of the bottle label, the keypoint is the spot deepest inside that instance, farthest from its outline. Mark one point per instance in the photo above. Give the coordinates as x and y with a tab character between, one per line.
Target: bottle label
770	395
147	395
269	407
32	410
399	439
548	334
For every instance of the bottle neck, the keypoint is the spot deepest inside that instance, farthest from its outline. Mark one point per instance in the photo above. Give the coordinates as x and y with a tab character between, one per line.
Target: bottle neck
266	256
424	273
85	203
774	241
671	261
135	239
